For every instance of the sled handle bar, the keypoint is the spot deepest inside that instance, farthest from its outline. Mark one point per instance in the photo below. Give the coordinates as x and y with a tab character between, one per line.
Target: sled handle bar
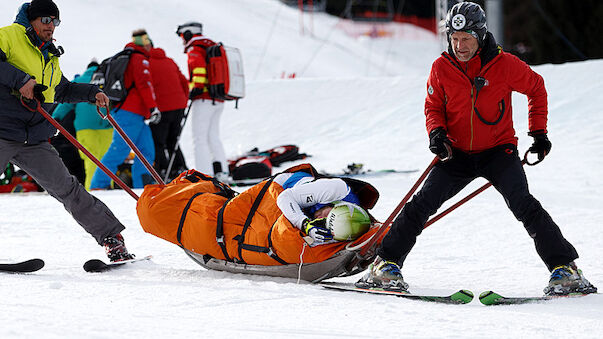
474	193
372	243
124	136
38	108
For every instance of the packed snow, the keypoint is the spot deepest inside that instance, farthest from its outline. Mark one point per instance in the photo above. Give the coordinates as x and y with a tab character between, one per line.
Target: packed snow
353	99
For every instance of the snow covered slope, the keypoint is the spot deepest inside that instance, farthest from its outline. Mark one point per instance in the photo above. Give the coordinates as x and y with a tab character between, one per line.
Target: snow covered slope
357	101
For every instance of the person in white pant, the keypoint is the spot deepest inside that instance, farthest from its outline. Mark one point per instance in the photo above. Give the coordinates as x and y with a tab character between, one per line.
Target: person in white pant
209	151
206	111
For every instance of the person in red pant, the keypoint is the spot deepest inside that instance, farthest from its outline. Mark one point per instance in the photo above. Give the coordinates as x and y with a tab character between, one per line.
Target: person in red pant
171	91
470	127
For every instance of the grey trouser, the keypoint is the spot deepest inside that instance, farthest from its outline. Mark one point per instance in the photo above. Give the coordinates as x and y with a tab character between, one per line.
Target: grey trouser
42	162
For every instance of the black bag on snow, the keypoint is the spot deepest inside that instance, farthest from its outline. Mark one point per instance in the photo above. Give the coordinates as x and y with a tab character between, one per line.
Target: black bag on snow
281	154
251	167
110	75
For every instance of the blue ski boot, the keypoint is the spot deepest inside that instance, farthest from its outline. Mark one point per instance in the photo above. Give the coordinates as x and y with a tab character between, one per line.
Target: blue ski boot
568	279
383	274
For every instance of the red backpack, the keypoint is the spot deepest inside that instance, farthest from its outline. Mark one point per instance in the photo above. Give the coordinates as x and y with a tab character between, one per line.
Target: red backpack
225	73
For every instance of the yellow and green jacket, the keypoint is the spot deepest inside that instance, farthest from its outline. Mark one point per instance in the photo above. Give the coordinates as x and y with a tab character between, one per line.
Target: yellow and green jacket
20	60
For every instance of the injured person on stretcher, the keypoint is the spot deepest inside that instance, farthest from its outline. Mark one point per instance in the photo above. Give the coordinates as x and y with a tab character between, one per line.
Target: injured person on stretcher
297	216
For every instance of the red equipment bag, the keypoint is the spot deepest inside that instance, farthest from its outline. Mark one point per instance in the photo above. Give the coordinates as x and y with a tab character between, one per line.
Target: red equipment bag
225	73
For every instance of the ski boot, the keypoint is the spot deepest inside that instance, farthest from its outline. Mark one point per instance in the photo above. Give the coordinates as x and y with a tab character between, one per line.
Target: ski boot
383	274
116	248
568	279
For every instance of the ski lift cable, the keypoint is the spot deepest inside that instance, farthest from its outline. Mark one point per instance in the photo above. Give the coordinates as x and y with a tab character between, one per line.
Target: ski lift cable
317	50
257	70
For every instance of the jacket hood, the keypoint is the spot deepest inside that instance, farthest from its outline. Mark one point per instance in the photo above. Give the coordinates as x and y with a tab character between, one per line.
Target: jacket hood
157	53
21	18
137	48
195	40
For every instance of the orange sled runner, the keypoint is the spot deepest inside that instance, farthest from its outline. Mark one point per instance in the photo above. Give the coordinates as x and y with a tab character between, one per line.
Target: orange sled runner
245	233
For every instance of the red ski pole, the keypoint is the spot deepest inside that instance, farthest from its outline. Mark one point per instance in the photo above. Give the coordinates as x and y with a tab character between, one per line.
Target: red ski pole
374	241
77	144
131	144
473	194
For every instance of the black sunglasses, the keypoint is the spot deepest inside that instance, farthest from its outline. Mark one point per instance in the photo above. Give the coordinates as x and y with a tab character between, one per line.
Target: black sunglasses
46	20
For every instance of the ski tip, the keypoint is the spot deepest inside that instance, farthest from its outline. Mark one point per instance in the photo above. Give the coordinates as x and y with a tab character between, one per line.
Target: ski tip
94	265
489	297
463	296
26	266
485	294
36	264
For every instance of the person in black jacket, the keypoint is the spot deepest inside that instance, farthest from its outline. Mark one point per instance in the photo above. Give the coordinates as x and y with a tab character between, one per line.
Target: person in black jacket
29	70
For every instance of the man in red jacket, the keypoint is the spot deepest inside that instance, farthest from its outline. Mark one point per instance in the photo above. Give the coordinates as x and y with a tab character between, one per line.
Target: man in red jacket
171	89
470	126
130	115
206	111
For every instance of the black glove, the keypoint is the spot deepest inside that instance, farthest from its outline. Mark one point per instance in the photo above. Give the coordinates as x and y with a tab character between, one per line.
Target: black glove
317	229
155	117
541	146
195	92
38	89
439	144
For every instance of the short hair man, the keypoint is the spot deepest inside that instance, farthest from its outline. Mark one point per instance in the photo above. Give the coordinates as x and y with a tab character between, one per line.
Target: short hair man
470	126
29	60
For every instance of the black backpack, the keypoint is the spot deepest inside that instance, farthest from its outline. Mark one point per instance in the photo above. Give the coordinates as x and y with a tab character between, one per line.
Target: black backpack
110	75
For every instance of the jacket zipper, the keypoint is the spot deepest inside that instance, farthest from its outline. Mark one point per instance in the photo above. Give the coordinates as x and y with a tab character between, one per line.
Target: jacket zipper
51	74
471	118
482	71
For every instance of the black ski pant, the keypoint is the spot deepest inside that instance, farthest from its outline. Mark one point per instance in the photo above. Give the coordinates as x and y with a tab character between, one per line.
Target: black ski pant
165	137
502	167
42	162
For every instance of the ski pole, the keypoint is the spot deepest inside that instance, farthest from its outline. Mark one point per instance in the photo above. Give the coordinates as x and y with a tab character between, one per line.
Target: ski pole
177	146
131	144
370	245
77	144
473	194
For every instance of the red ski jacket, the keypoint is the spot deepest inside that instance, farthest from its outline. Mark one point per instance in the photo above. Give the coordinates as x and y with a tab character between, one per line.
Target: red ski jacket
141	97
472	100
171	87
195	49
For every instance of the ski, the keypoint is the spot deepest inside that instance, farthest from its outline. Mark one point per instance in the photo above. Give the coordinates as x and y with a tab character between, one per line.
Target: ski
346	174
96	265
26	266
357	170
460	297
490	298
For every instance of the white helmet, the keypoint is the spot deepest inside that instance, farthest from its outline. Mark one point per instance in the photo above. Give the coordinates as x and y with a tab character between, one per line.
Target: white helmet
348	221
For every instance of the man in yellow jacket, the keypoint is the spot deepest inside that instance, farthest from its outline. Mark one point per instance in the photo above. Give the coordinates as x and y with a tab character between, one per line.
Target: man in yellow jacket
29	67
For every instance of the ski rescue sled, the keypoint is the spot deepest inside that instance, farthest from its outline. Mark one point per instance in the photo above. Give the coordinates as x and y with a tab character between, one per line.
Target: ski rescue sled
332	267
247	232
